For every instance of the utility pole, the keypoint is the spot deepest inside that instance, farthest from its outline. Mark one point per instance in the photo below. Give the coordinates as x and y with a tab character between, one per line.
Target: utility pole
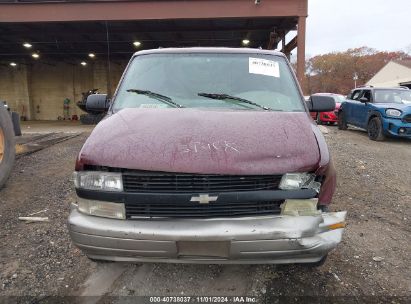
355	78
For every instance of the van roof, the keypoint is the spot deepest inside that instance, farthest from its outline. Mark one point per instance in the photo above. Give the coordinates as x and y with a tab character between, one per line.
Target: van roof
224	50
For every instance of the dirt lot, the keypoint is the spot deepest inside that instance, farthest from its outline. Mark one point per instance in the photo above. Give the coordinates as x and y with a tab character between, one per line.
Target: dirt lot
372	264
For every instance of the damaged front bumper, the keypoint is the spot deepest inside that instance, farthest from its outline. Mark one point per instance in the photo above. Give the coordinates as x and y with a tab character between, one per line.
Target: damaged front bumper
251	240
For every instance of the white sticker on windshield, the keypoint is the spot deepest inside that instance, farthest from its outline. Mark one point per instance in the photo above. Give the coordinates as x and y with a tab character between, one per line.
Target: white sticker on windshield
264	67
153	106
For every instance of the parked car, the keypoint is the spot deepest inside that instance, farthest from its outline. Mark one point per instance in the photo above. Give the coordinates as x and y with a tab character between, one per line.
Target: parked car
328	117
381	111
207	155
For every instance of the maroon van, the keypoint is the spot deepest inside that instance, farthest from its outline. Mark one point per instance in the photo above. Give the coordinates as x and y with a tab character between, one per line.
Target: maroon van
206	155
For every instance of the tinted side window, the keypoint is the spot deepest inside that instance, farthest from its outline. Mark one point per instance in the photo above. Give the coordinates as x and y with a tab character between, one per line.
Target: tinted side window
356	95
367	94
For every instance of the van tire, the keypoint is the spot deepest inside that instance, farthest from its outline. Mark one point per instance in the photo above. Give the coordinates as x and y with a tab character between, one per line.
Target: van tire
342	123
15	118
7	148
375	130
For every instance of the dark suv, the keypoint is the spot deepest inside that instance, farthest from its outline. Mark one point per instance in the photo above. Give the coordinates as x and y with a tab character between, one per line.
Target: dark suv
381	111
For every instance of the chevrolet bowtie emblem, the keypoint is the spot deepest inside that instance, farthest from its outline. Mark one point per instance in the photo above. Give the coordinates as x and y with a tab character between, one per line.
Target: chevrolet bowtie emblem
204	199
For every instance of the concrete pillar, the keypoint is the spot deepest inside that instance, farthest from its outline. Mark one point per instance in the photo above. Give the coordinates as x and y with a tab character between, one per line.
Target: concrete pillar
30	107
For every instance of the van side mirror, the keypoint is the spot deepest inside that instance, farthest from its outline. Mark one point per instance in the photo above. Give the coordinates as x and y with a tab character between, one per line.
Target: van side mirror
318	103
364	99
97	103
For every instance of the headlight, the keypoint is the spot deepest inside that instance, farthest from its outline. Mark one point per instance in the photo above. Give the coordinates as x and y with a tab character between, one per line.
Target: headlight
95	180
103	209
393	112
293	181
300	207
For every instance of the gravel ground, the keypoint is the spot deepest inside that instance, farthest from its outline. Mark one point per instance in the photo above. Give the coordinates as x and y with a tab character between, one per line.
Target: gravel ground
38	259
371	265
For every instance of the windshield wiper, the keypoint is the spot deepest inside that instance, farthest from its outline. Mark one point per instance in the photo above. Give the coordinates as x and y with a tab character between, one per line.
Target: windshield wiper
159	97
226	96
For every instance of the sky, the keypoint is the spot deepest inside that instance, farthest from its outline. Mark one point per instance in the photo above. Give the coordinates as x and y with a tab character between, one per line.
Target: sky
337	25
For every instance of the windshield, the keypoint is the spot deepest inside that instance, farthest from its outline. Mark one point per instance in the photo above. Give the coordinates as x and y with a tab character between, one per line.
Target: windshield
392	96
193	80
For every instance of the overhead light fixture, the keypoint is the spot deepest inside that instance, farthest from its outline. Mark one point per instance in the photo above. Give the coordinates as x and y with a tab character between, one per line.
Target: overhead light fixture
35	55
27	45
13	64
136	43
246	42
83	63
91	55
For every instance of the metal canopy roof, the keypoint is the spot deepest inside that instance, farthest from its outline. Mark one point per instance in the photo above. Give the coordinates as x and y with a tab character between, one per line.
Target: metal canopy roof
93	10
74	40
69	30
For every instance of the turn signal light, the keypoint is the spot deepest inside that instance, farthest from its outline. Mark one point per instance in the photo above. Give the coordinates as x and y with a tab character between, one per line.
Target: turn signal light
337	226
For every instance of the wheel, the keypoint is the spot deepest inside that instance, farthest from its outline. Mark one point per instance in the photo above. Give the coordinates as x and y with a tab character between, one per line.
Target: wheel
318	119
7	149
15	118
342	123
375	130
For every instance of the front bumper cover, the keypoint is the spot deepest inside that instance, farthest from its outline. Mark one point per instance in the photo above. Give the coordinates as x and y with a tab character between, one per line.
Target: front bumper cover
251	240
391	127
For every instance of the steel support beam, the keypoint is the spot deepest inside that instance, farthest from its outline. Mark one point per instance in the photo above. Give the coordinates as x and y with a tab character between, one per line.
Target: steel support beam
275	38
273	41
287	49
301	49
149	10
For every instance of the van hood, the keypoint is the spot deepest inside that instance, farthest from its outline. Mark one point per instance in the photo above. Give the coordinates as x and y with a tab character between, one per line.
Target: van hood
207	141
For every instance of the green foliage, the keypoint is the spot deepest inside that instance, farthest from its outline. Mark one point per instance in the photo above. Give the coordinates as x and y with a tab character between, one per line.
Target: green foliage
334	72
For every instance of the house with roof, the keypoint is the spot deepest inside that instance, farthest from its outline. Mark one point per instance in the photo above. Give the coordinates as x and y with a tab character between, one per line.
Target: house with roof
395	73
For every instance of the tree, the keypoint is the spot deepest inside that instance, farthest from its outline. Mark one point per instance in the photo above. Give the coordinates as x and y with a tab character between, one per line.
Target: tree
334	72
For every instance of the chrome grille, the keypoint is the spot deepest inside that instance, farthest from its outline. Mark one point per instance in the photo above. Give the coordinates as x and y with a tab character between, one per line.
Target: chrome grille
152	182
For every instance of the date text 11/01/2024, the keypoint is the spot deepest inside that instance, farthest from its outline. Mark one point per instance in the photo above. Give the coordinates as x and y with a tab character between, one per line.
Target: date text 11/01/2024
203	299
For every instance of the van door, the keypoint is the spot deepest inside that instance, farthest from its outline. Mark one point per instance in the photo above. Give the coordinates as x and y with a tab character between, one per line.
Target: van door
362	108
351	105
